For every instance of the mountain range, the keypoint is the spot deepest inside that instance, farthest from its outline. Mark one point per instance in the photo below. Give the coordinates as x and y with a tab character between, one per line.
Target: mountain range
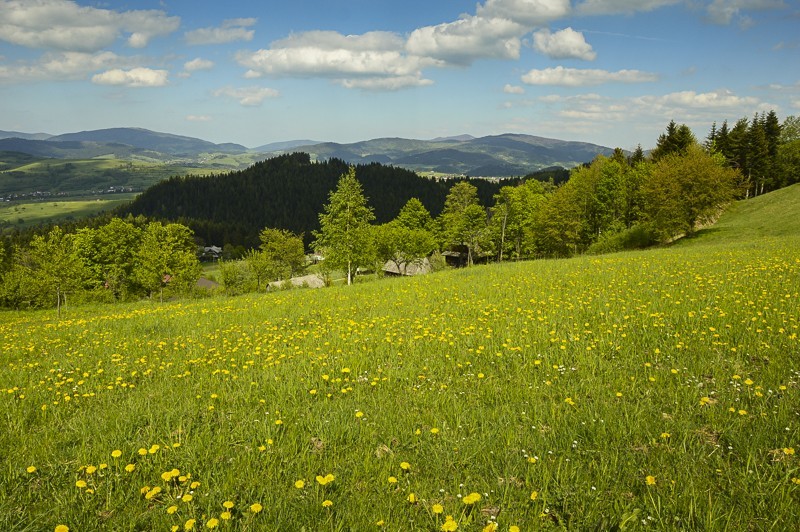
490	156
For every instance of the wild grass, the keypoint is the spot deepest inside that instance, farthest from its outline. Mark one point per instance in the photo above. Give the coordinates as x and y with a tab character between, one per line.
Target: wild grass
644	390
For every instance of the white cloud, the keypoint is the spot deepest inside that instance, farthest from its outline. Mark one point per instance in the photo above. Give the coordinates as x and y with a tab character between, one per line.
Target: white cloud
247	96
564	44
386	84
231	30
467	39
529	13
64	25
607	7
723	11
372	60
198	118
198	64
574	77
135	77
513	89
63	66
692	100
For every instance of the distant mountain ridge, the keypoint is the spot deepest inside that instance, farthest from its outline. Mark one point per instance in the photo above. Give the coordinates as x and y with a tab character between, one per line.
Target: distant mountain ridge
503	155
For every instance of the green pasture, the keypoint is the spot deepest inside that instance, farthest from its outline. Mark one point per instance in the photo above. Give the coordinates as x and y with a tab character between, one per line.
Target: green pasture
29	213
651	390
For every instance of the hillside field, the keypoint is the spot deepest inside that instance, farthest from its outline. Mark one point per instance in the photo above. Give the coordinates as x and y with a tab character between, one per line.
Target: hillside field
27	213
645	390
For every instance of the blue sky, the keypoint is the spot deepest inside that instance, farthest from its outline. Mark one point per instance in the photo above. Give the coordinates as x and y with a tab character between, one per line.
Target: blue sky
611	72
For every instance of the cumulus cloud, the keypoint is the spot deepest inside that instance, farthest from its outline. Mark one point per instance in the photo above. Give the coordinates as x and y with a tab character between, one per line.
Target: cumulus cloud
608	7
467	39
723	11
135	77
373	60
529	13
63	66
706	100
231	30
247	96
564	44
574	77
198	64
513	89
64	25
198	118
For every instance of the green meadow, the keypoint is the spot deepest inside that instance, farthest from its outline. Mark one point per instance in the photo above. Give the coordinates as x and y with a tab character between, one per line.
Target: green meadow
651	390
28	213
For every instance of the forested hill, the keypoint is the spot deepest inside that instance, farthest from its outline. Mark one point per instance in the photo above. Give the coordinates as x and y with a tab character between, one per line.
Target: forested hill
287	192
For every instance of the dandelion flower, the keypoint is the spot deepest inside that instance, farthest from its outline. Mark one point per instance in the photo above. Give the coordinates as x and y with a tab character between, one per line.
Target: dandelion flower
212	523
225	515
116	453
650	480
434	430
472	498
449	524
129	468
534	495
189	525
491	527
172	509
90	470
299	484
786	451
392	480
31	469
142	451
327	503
80	484
256	507
61	528
513	528
228	504
437	508
187	497
405	466
412	498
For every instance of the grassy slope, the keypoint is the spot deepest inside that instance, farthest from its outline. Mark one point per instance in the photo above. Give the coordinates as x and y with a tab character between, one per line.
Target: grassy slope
53	211
575	380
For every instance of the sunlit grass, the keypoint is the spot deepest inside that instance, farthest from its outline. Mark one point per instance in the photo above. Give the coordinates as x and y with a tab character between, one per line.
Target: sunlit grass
654	389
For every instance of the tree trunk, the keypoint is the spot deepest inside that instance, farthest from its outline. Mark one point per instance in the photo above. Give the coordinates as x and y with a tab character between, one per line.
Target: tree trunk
349	273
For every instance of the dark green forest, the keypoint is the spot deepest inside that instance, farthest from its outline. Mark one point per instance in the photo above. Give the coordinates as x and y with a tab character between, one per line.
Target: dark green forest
286	192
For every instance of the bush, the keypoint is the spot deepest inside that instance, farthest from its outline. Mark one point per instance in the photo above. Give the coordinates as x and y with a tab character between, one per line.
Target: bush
636	237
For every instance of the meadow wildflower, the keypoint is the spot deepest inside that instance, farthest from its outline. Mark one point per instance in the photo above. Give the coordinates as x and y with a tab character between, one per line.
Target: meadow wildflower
405	466
534	495
116	453
129	468
212	523
189	525
327	479
412	498
80	484
449	524
31	469
256	507
437	508
61	528
472	498
299	484
650	480
327	503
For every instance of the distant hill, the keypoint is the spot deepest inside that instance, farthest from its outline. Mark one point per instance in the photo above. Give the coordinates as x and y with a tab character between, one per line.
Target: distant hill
285	145
288	192
492	156
27	136
150	140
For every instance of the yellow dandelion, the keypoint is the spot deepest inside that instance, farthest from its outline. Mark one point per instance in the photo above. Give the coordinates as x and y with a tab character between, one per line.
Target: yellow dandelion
194	485
405	466
228	504
212	523
142	451
359	414
80	484
256	507
327	503
513	528
434	430
392	480
154	449
189	525
788	450
226	515
129	468
172	509
116	453
31	469
534	495
299	484
61	528
449	524
187	497
472	498
437	508
650	480
90	470
491	527
412	498
278	422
